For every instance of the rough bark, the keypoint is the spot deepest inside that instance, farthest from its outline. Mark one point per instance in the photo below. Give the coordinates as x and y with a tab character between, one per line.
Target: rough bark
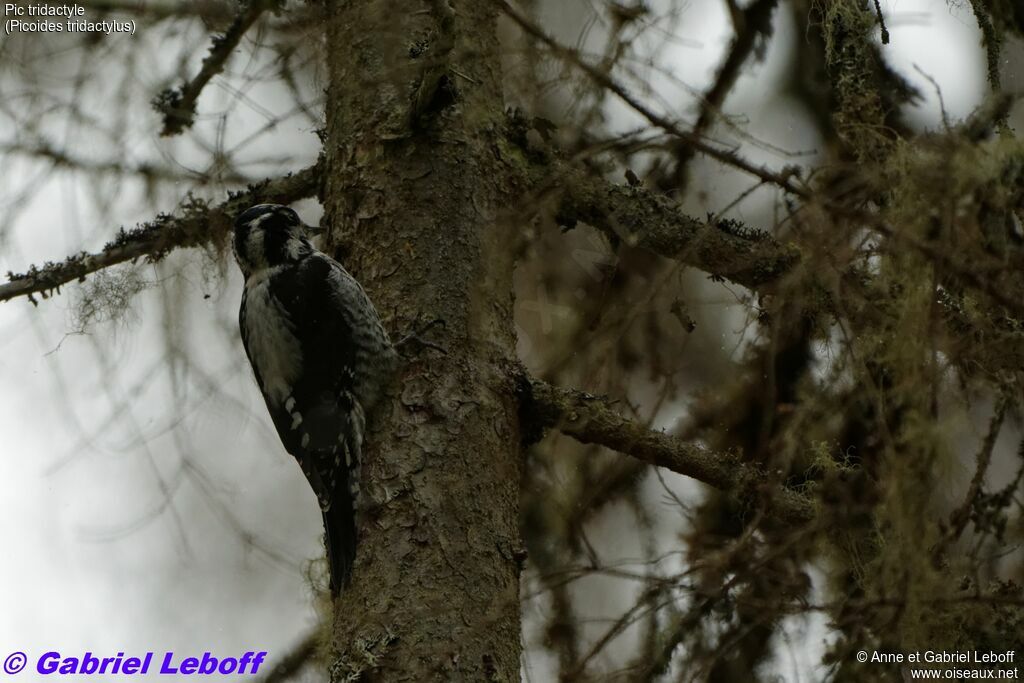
414	183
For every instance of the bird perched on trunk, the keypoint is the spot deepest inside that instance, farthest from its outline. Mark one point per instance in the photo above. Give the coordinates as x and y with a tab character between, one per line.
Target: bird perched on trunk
321	358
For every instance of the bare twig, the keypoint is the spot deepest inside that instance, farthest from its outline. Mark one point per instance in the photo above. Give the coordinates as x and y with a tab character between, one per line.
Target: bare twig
148	172
959	517
178	106
217	11
751	24
881	23
155	239
783	179
294	661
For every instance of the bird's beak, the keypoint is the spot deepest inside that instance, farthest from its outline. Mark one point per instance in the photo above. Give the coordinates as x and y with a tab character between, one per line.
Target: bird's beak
313	229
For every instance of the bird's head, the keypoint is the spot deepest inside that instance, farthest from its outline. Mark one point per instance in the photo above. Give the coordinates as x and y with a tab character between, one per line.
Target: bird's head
268	235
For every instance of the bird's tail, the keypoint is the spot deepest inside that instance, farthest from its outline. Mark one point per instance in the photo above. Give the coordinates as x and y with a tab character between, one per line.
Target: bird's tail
340	539
333	474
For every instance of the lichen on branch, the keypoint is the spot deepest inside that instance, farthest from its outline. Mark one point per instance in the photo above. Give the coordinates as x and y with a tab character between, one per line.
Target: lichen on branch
589	419
199	222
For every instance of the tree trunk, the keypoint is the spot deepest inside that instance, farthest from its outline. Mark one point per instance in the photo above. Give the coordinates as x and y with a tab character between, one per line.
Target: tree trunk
412	189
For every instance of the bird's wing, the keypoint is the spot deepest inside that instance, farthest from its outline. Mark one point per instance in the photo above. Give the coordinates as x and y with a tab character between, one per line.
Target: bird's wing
319	418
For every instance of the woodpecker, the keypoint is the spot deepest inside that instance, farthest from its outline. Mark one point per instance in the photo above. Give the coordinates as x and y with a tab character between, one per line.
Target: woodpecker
321	358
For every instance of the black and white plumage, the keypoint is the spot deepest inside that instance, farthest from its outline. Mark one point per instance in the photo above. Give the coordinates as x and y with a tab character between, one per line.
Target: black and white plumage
321	358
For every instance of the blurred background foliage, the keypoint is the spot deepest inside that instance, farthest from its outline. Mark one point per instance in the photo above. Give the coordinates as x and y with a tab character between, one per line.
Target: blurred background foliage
881	375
